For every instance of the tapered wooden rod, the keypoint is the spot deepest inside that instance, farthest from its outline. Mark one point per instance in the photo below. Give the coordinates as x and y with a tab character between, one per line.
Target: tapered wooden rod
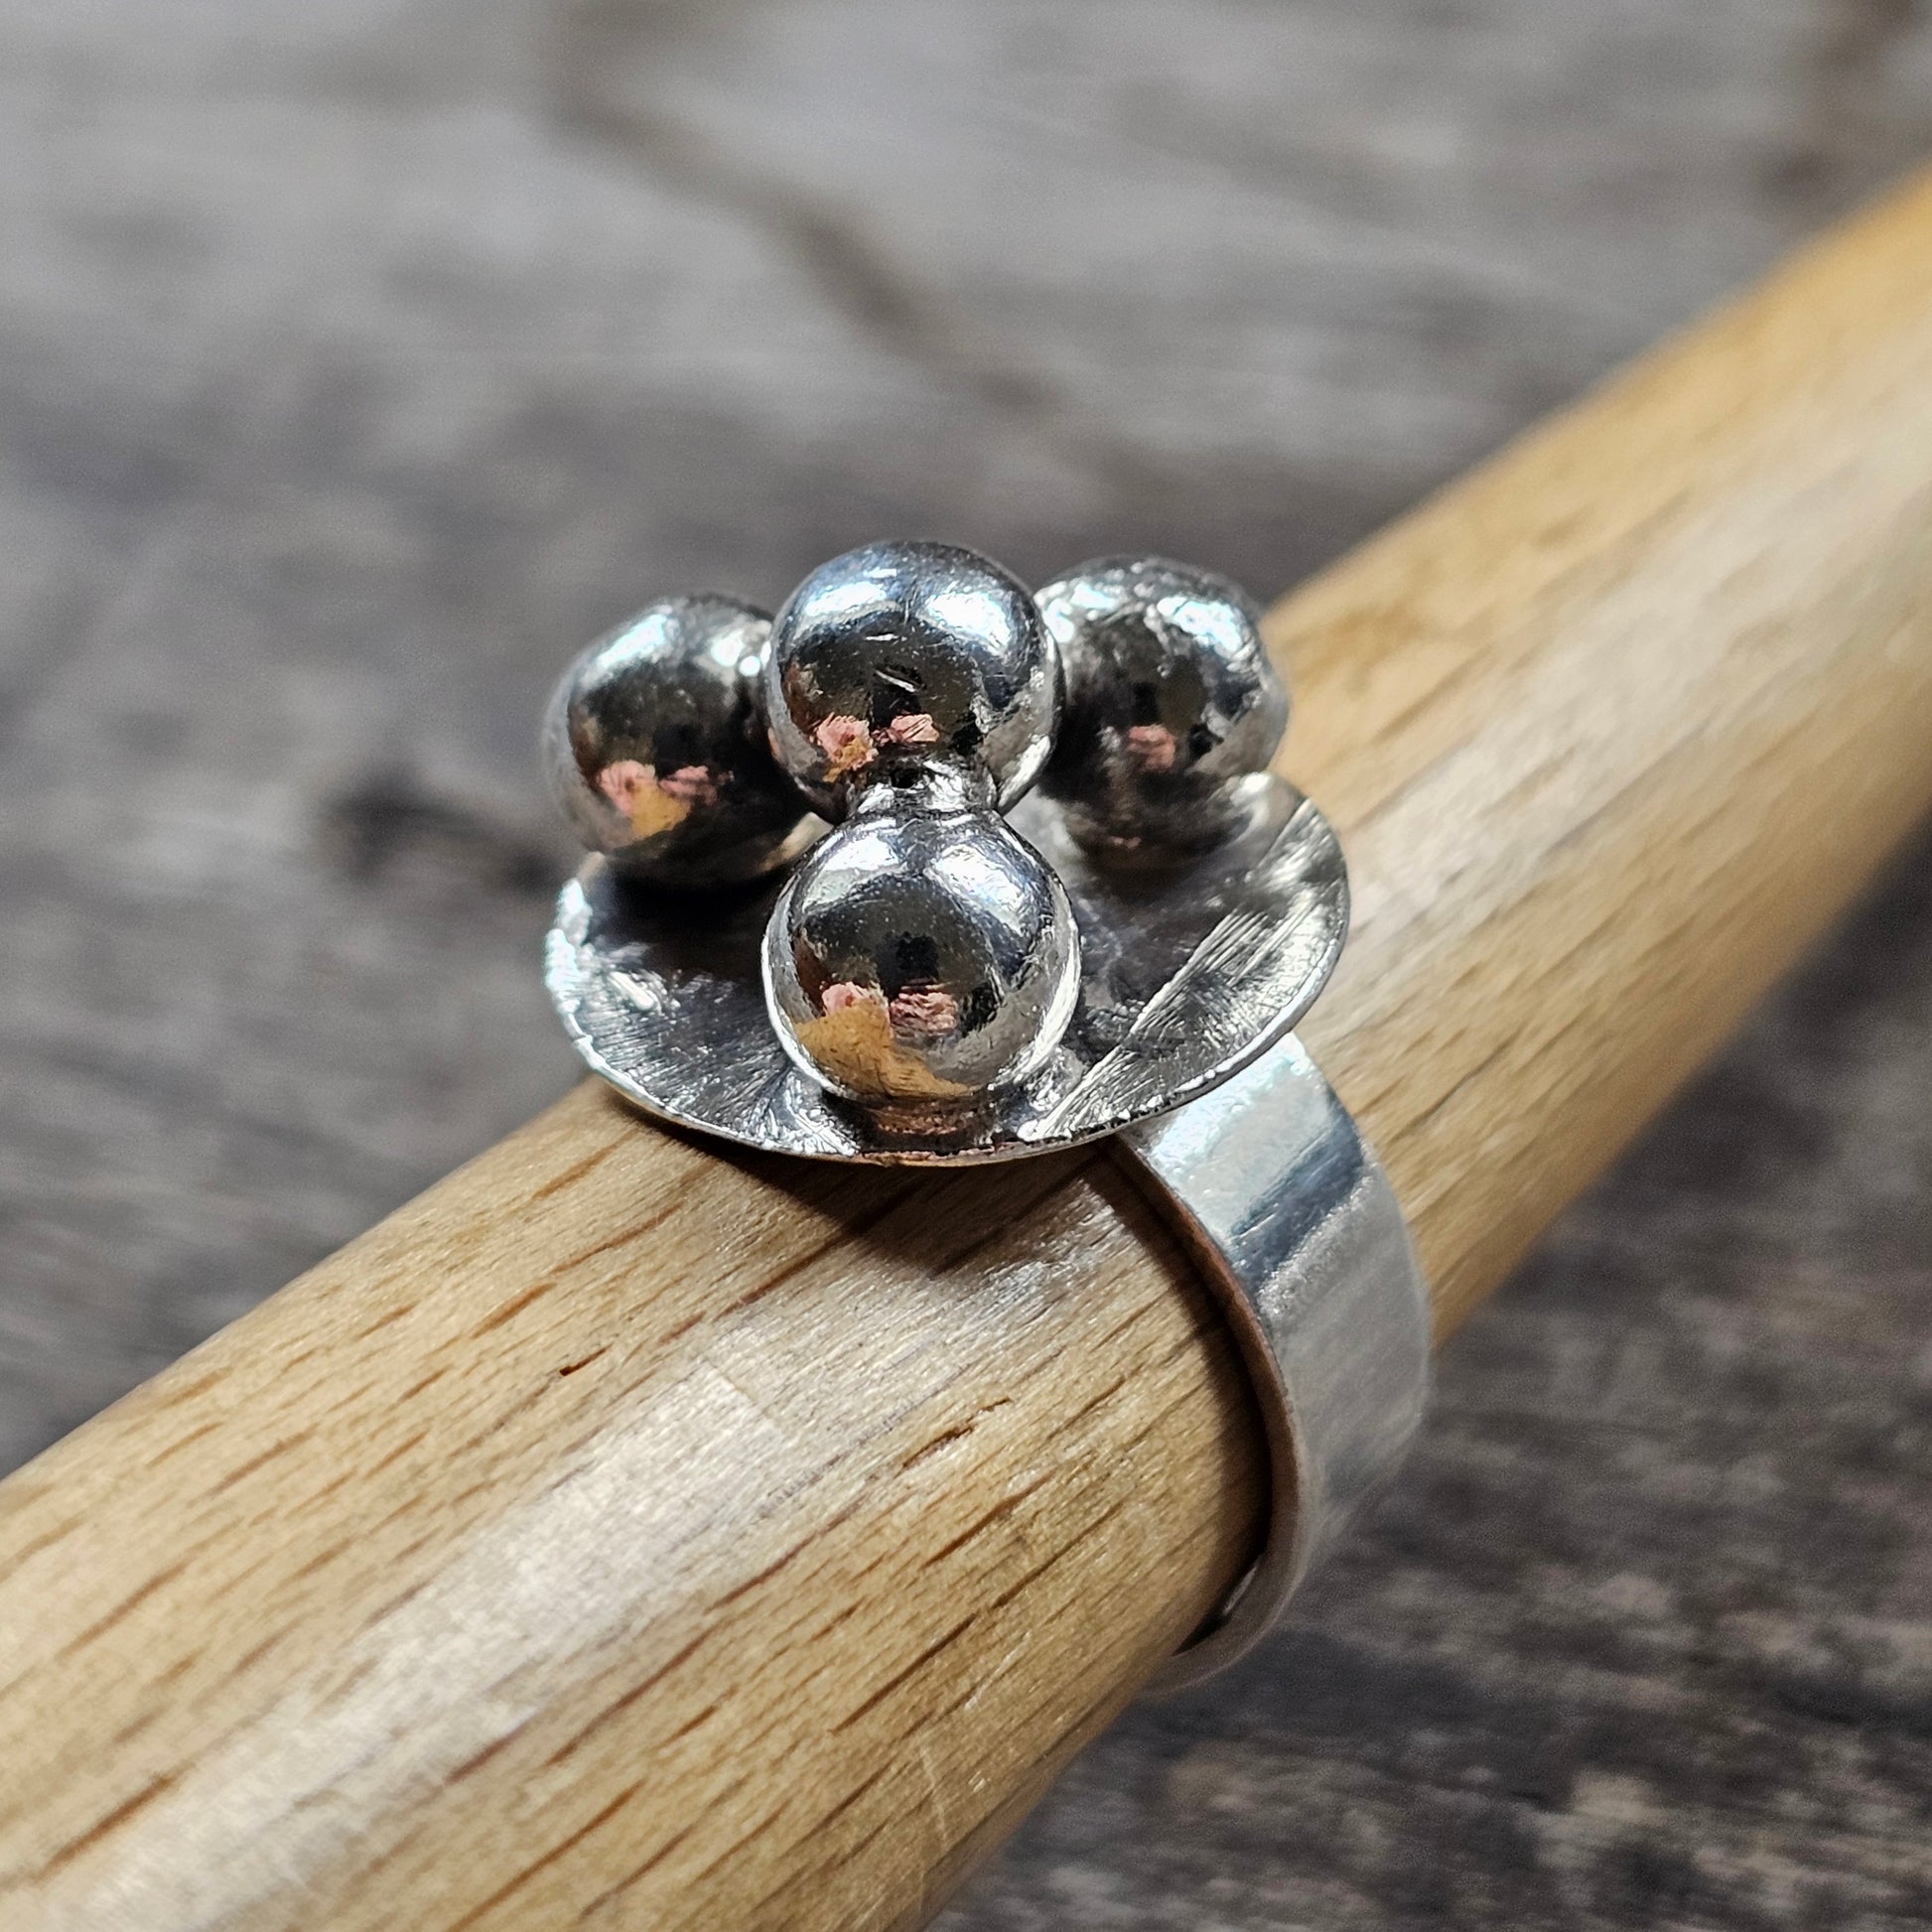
631	1534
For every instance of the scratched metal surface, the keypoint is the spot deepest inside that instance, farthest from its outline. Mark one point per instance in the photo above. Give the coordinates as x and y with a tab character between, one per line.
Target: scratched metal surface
358	362
1186	976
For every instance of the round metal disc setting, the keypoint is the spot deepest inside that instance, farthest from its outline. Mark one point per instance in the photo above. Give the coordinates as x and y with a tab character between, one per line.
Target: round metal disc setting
1190	971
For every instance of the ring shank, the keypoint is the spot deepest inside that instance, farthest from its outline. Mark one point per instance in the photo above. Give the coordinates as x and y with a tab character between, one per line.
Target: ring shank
1291	1217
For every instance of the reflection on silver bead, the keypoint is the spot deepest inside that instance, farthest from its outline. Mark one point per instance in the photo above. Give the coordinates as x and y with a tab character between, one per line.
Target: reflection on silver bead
922	955
655	753
901	656
1170	699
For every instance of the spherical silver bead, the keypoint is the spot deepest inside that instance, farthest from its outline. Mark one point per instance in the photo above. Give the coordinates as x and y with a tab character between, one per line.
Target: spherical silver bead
921	956
655	753
1170	699
903	656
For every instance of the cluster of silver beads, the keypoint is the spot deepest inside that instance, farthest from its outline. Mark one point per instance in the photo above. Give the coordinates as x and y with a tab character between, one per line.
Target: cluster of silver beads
921	954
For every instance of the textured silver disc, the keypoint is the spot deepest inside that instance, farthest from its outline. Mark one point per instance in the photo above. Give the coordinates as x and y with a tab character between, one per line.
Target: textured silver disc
1190	971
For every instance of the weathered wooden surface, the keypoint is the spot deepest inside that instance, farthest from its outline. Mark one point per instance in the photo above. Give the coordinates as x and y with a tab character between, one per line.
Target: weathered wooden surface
359	362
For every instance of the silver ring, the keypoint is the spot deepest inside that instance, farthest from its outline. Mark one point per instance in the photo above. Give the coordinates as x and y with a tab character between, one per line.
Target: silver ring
953	971
1294	1221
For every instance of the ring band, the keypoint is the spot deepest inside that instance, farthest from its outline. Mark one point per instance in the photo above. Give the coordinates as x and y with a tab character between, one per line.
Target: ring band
1287	1208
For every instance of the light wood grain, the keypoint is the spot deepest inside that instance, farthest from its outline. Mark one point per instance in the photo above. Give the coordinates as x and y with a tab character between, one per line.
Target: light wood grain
1614	727
631	1535
564	1506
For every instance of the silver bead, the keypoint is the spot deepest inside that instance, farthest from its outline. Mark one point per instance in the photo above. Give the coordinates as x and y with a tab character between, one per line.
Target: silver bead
903	656
1170	699
655	753
921	954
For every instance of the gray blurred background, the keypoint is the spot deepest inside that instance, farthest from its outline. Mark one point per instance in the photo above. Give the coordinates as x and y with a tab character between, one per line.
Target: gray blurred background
360	359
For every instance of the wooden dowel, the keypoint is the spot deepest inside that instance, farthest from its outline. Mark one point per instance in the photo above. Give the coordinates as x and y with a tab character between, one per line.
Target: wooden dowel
630	1534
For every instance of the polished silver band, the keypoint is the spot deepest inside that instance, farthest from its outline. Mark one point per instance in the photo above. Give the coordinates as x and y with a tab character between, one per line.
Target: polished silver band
1290	1213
